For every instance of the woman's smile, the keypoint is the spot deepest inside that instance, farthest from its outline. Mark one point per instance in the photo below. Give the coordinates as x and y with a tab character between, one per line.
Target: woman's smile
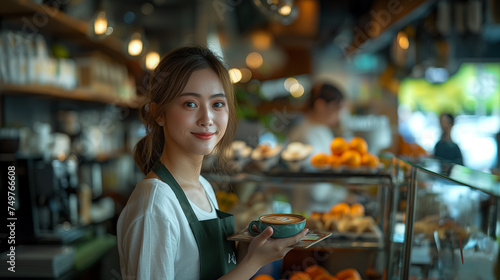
203	135
201	111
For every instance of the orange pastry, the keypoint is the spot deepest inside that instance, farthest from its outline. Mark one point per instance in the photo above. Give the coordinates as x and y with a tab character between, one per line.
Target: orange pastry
326	277
334	161
357	210
263	277
316	215
370	160
349	273
338	145
358	144
340	210
300	276
315	271
351	158
328	220
319	160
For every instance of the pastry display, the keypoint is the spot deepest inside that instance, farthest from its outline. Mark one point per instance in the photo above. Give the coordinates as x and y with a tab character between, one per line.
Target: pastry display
239	155
320	161
239	149
266	156
295	154
352	155
317	272
343	218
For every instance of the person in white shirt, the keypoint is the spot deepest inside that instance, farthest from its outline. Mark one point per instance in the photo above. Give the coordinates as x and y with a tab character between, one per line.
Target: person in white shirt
321	114
171	227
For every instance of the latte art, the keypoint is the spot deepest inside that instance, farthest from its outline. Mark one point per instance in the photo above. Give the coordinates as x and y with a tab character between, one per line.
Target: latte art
281	219
283	225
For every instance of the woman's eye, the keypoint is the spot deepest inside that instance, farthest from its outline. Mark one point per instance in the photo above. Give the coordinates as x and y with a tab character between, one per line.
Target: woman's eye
190	104
218	104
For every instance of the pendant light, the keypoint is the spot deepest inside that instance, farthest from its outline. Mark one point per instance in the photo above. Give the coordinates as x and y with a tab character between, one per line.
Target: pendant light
152	57
152	60
282	11
136	44
100	25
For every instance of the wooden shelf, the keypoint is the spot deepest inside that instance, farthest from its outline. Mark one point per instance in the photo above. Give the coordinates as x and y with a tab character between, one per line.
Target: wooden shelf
36	18
77	94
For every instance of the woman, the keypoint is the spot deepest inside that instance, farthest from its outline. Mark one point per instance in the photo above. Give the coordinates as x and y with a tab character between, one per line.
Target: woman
171	227
445	148
322	113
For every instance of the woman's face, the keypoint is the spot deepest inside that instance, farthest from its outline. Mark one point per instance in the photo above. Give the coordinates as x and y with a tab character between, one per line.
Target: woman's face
328	113
197	119
445	123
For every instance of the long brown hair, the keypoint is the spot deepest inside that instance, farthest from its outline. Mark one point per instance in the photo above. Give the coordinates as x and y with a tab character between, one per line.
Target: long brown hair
166	83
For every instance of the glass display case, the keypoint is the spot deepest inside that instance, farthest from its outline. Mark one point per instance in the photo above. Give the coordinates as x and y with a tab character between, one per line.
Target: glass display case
315	195
444	222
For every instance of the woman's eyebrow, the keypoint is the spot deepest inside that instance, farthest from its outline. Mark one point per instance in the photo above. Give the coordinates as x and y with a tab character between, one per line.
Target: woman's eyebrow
199	95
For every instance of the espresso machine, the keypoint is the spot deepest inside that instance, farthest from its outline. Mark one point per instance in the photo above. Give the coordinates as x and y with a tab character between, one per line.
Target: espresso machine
46	200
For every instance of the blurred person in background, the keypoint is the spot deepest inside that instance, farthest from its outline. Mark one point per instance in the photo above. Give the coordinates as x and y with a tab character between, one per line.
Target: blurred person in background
445	148
321	115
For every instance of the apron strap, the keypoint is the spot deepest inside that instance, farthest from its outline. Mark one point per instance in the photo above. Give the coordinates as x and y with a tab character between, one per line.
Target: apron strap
166	176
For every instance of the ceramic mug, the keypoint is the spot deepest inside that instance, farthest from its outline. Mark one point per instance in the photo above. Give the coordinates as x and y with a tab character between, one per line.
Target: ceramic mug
284	225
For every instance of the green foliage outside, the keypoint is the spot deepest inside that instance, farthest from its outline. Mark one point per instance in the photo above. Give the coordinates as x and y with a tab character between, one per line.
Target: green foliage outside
473	86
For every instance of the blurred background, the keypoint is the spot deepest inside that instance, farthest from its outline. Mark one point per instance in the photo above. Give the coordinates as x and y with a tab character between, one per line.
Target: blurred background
73	74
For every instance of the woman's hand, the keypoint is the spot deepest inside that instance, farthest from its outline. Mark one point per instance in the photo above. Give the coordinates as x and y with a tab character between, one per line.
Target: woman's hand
263	250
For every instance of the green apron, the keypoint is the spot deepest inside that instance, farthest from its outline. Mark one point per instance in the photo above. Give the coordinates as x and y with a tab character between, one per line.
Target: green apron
217	255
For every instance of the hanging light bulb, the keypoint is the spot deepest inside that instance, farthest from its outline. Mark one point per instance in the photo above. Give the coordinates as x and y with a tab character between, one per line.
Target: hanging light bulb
254	60
285	10
100	26
403	40
282	11
135	44
235	75
101	23
152	60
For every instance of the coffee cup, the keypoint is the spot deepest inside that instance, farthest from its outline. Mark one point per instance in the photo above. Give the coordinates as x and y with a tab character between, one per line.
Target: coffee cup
284	225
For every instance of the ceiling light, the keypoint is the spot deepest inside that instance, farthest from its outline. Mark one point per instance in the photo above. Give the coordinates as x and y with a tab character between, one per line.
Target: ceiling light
403	40
152	60
246	75
254	60
285	10
99	27
235	75
282	11
289	82
296	90
101	23
135	44
261	40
